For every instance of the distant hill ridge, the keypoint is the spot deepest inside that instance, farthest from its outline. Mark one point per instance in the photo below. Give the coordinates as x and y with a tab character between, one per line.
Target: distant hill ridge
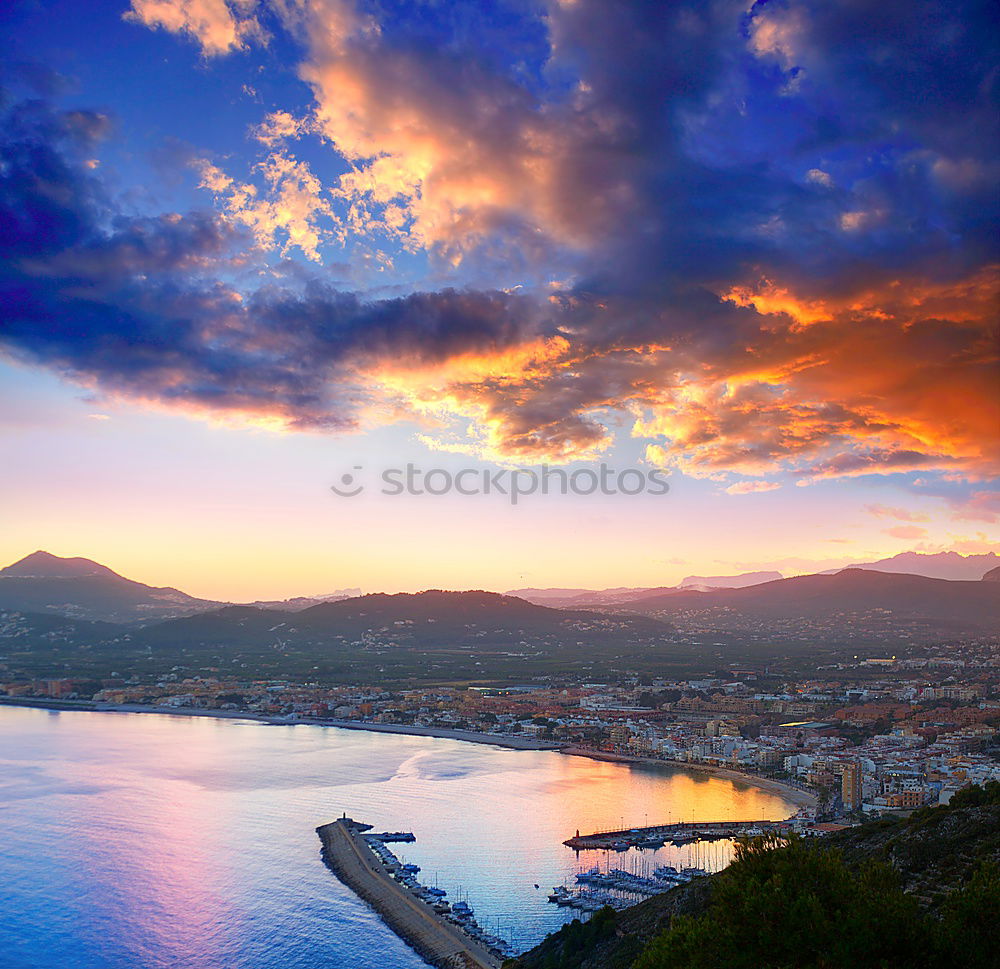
974	605
426	603
730	581
580	598
434	618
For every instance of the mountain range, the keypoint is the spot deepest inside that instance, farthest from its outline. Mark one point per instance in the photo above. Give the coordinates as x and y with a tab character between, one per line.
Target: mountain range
937	565
431	619
44	598
83	619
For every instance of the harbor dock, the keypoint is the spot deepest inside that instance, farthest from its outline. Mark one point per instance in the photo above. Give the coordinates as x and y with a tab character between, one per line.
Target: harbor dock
442	943
679	833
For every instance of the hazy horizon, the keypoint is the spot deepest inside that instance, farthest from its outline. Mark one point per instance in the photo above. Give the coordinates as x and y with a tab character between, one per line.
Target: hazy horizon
315	592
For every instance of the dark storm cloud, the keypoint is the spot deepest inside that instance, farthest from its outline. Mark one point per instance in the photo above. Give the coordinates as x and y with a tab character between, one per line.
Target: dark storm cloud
137	306
896	104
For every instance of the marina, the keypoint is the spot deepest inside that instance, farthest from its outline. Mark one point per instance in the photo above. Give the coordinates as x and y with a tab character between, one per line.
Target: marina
621	881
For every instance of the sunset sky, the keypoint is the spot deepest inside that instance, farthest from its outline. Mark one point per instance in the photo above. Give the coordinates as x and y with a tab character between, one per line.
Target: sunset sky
247	247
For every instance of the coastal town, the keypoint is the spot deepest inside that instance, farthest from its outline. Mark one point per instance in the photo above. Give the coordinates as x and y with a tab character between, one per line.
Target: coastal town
869	736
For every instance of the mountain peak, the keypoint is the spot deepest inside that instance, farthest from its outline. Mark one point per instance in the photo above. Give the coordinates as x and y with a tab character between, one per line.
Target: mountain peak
933	565
80	588
45	565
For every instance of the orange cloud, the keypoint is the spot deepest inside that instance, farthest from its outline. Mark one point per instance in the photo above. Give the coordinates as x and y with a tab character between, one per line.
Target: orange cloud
778	34
900	514
497	406
288	216
909	387
442	152
983	506
905	531
751	487
218	26
869	382
769	299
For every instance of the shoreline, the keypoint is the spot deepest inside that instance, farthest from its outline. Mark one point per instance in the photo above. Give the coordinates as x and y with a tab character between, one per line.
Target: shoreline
796	795
441	733
790	793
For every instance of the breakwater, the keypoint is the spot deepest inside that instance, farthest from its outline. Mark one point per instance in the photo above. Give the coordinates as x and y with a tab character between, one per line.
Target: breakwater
441	943
684	831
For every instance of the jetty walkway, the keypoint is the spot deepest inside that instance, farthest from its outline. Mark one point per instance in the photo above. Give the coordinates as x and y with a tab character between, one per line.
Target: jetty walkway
440	942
